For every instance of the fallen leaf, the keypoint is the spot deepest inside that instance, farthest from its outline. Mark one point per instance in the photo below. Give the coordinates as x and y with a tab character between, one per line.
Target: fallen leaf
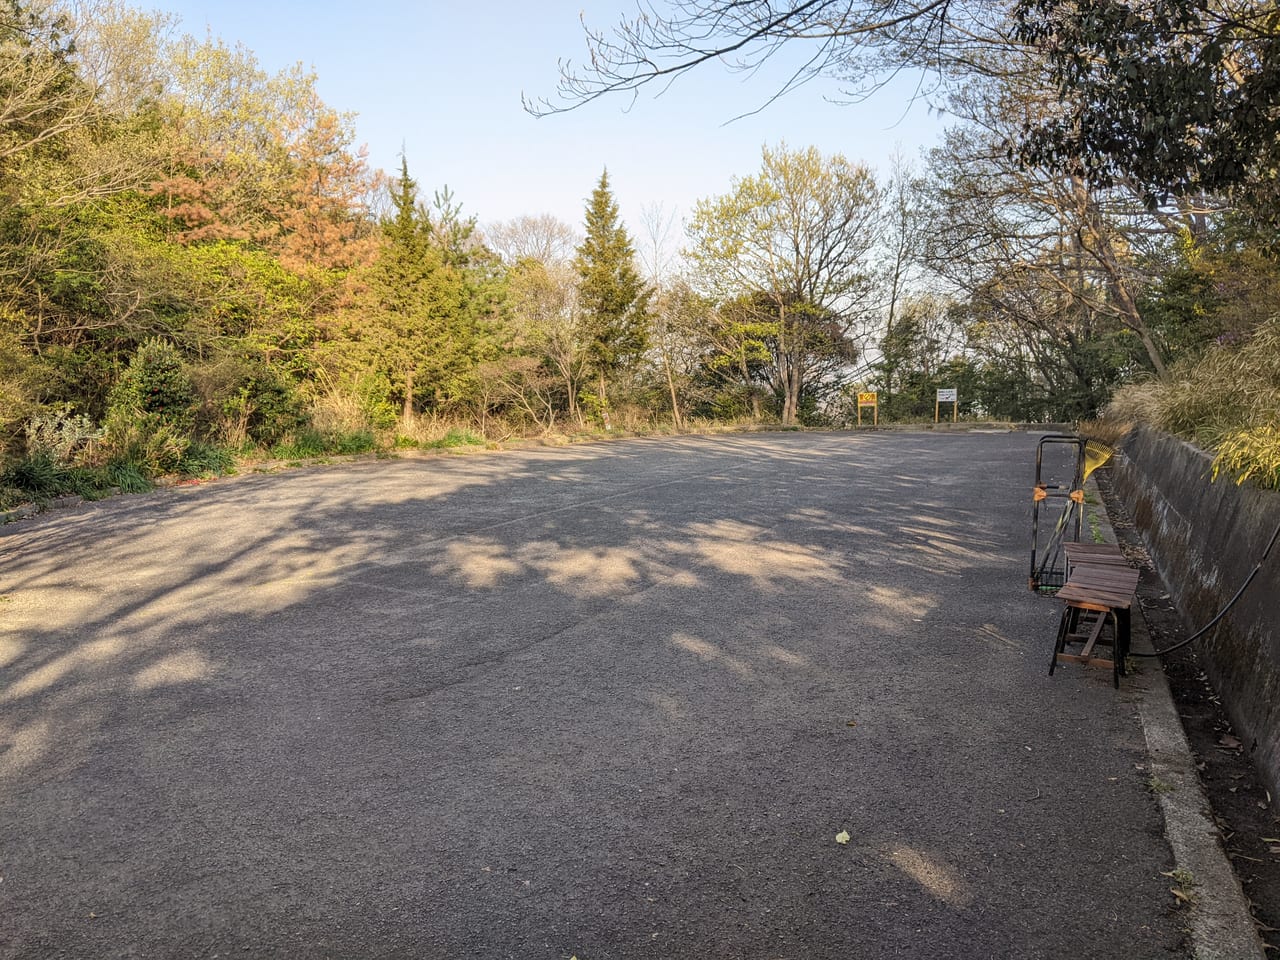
1270	839
1229	742
1181	897
1273	849
851	723
842	836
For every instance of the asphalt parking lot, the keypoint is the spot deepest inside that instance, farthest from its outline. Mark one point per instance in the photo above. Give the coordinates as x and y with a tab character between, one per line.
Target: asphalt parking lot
606	701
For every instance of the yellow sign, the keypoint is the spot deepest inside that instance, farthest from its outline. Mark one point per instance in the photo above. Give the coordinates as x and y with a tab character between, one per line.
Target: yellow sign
868	399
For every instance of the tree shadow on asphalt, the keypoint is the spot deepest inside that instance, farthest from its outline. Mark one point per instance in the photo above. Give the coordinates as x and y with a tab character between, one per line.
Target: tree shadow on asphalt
563	700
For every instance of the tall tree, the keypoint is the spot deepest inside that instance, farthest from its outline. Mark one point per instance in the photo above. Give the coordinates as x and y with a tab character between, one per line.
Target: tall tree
795	241
406	322
901	214
1180	97
41	94
323	209
668	301
1004	227
543	238
548	324
613	298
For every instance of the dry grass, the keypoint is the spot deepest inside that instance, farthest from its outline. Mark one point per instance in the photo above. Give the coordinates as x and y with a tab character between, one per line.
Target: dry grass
1226	400
338	412
1107	430
1134	403
1250	455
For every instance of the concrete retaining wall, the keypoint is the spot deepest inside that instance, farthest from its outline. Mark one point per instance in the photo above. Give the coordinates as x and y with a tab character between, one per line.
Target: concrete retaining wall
1205	538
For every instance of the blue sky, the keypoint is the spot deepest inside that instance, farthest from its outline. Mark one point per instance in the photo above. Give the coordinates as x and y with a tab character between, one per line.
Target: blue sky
445	80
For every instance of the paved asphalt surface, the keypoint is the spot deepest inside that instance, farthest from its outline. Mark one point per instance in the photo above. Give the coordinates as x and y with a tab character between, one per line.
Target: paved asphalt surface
608	701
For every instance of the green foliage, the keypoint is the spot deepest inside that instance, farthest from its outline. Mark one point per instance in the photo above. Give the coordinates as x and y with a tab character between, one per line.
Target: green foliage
38	478
39	475
594	406
206	460
301	445
613	298
309	443
423	319
357	441
124	476
1179	97
247	404
785	256
156	383
145	439
456	437
150	415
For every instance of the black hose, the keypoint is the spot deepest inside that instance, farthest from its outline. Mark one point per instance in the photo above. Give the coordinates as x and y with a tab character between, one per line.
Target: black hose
1223	612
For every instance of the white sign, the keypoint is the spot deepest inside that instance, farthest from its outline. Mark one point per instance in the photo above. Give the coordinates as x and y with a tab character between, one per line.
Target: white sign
947	396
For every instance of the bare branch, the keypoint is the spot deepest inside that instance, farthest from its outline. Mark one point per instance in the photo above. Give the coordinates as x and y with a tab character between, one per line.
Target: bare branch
743	35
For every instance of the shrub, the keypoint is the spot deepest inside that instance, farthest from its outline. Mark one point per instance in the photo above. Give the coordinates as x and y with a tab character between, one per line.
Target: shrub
257	407
146	440
206	460
155	382
310	442
59	435
150	412
39	476
457	437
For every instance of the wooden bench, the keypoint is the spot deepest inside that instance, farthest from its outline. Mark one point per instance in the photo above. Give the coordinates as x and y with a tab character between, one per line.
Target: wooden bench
1099	582
1097	554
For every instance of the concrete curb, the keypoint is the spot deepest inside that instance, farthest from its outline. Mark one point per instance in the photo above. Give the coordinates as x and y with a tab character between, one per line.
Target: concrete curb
1219	923
1221	926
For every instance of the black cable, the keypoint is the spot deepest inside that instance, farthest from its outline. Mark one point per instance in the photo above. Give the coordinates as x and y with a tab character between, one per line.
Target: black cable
1223	612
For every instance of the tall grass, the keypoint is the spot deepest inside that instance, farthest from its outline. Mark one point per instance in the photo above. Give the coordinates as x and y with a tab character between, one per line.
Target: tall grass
1226	400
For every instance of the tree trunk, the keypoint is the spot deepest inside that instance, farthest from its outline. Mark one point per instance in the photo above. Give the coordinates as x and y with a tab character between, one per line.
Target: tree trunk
791	405
408	396
671	386
1103	252
604	404
751	390
790	391
572	389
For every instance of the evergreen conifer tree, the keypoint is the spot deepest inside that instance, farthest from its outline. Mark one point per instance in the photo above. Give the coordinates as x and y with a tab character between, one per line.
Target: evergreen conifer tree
412	320
614	300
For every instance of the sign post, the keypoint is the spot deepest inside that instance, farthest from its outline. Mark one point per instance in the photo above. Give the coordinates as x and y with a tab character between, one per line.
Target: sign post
947	395
871	400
